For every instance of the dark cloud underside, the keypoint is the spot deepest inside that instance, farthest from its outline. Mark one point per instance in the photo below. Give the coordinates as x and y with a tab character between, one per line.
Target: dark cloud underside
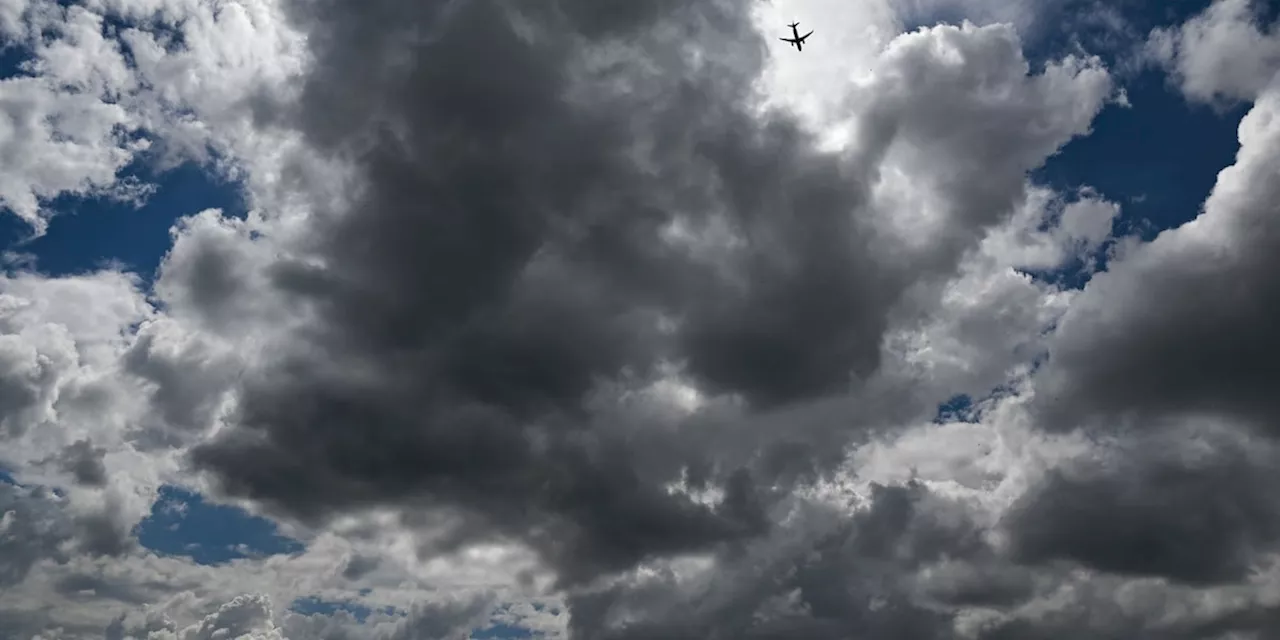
506	255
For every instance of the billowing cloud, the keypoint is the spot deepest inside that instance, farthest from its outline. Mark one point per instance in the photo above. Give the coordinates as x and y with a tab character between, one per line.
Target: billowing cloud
1133	345
604	321
1225	53
1197	514
523	246
92	99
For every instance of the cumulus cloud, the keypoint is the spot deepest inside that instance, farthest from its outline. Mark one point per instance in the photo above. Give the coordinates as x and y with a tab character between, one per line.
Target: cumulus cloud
64	130
1222	54
602	320
525	246
1115	353
91	99
247	617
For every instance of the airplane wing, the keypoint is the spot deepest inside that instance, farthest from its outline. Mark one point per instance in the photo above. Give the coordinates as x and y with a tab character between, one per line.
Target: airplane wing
806	35
786	39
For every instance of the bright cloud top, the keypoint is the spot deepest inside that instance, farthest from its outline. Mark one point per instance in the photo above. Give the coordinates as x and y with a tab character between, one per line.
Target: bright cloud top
609	321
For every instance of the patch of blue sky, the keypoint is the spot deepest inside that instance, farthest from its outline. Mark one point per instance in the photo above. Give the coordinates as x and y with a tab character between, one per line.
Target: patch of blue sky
958	408
501	631
89	233
501	628
1159	156
312	605
181	523
86	234
971	408
7	478
11	58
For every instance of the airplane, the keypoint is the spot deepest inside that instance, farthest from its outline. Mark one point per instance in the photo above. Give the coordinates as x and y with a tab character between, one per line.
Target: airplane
798	40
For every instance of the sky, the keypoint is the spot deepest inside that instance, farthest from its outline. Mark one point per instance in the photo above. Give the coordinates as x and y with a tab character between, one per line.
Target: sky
393	320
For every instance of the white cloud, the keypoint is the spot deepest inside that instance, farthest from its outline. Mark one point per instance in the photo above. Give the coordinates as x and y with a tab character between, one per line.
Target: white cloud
1081	227
1221	54
61	142
93	99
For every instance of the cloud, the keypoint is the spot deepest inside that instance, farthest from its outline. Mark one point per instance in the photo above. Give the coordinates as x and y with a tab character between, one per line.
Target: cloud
1136	343
30	530
445	620
605	321
1197	514
64	131
84	462
522	246
1222	54
97	94
247	617
835	577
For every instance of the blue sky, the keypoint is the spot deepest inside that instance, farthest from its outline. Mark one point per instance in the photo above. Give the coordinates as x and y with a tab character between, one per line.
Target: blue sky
1160	179
182	523
88	233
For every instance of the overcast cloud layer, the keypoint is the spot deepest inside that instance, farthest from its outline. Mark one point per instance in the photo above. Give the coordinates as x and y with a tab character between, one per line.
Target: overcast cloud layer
607	320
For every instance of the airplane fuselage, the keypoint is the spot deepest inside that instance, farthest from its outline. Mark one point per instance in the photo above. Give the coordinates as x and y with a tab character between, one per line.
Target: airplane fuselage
796	40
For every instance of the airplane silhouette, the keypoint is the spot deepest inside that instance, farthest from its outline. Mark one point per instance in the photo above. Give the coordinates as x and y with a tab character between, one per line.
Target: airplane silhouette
798	40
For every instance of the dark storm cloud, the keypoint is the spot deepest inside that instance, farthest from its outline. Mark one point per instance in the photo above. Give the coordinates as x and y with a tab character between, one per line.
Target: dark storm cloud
1187	323
1097	612
1196	336
1152	510
917	565
855	580
1180	332
524	243
505	256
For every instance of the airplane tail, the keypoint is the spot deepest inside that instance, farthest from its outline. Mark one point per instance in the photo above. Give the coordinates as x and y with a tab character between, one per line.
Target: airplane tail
794	24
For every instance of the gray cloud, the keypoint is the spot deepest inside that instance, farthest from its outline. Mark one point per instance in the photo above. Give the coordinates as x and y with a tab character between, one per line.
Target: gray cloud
447	620
358	566
840	577
25	382
526	243
82	586
505	256
185	377
31	529
84	462
1156	508
104	533
1184	324
532	235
